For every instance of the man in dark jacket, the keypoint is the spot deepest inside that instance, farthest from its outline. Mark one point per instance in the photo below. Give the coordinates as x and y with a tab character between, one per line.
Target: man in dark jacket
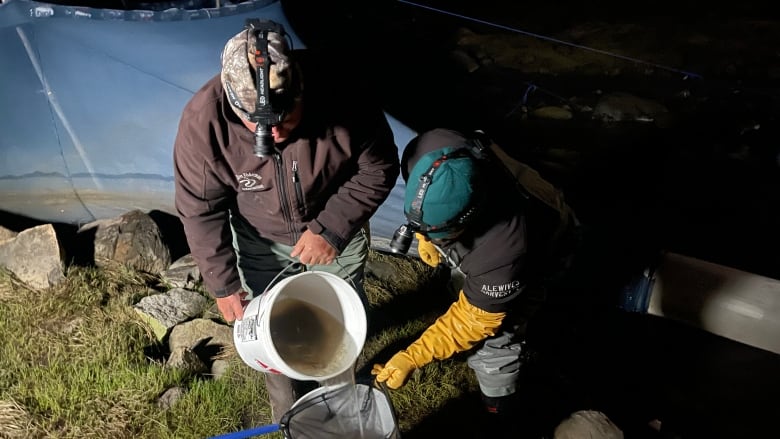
468	213
307	197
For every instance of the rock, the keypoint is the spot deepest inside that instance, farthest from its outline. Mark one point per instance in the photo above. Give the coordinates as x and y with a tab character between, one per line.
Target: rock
552	112
183	273
201	334
618	107
6	234
464	60
34	256
587	424
163	311
132	239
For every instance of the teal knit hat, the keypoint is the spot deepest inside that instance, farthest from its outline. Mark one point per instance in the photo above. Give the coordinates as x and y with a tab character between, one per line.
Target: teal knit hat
450	174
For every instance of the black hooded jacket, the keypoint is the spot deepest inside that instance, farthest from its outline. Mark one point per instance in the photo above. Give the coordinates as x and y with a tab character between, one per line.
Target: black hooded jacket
500	251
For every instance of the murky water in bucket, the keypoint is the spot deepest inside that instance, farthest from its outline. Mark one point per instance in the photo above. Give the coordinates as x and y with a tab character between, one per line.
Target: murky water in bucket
309	339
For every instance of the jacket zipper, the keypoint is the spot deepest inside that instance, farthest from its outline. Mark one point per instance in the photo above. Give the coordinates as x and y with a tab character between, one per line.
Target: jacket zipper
297	184
283	200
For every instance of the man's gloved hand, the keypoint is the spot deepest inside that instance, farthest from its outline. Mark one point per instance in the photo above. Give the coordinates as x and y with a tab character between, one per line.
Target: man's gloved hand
459	329
232	307
427	250
396	371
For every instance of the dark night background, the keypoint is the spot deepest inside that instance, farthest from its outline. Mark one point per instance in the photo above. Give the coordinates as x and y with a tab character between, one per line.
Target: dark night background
704	183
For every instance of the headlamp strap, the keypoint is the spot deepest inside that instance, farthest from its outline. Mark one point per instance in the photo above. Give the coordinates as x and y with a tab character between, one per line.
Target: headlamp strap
259	29
415	209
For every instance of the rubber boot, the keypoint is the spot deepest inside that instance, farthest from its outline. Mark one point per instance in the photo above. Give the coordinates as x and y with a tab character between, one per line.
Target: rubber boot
500	417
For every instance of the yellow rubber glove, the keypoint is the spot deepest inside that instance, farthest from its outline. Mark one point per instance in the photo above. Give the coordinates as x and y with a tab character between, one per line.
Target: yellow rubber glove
459	329
427	250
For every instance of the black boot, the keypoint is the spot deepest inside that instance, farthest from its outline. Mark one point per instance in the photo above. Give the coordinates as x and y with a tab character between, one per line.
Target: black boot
500	405
500	417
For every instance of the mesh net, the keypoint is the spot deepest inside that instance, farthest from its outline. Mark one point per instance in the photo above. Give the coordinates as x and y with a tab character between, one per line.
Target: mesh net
343	411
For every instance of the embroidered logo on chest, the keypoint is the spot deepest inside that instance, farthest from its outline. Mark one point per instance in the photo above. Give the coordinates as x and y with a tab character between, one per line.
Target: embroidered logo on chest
249	181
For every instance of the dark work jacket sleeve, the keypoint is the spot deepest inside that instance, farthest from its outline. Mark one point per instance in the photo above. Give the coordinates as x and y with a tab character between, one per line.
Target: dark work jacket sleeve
345	103
361	195
203	200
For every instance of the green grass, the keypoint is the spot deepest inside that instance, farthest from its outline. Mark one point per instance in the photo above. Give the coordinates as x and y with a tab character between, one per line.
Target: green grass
75	360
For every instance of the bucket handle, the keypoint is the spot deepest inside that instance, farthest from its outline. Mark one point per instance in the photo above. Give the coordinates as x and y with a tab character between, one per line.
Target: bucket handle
298	264
291	264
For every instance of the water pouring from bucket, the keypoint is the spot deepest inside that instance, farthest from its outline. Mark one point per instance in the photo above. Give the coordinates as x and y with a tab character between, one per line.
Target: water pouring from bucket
310	327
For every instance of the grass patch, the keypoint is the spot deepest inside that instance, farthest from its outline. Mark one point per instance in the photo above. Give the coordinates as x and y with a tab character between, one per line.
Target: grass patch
74	363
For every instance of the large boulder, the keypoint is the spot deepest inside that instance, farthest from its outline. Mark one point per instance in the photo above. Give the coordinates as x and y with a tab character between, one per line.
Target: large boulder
34	256
132	239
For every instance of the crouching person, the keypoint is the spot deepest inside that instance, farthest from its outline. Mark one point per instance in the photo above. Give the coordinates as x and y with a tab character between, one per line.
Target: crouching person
496	226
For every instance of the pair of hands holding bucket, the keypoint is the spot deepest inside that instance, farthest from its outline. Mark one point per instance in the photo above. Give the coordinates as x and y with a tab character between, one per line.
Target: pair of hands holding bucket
311	249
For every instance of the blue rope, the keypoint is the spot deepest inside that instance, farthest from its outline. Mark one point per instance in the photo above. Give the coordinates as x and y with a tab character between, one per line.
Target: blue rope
257	431
523	101
529	90
542	37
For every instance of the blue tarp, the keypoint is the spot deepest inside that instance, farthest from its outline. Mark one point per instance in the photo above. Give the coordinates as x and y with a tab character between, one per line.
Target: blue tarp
91	100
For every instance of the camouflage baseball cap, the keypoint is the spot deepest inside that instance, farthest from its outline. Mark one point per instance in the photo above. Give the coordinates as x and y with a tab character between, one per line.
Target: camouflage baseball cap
238	65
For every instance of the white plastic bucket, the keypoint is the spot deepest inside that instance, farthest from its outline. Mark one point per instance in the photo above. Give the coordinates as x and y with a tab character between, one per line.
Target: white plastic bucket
310	326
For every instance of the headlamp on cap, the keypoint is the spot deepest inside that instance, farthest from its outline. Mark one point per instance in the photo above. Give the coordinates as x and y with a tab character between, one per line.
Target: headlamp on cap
268	58
265	114
451	173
